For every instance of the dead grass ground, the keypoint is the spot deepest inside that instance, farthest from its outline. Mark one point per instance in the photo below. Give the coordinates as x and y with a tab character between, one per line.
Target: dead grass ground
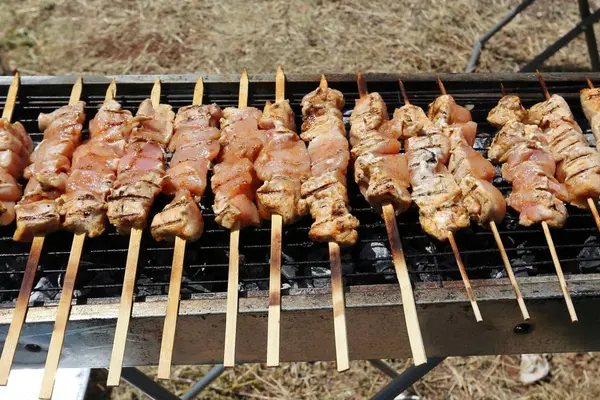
218	36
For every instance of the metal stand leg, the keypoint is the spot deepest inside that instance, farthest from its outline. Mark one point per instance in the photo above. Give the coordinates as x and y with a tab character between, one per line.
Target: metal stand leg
385	368
478	46
137	378
590	36
204	382
406	379
563	41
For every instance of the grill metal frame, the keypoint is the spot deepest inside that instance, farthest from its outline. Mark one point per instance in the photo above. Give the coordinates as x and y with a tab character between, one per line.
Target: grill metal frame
307	322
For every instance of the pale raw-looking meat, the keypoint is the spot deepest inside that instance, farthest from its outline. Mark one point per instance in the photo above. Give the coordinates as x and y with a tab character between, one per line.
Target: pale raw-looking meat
141	169
509	109
278	115
234	181
94	169
283	165
195	144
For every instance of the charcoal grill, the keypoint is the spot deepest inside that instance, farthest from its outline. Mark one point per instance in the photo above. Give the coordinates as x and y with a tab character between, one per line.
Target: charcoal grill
376	327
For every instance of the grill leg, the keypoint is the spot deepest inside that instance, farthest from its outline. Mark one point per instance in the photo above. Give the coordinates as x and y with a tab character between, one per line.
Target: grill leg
406	379
562	42
137	378
385	368
204	382
590	36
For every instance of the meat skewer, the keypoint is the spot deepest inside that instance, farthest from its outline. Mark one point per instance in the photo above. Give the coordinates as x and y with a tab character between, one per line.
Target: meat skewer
435	191
484	202
139	176
530	166
283	165
194	146
13	133
591	108
68	120
234	183
326	195
382	174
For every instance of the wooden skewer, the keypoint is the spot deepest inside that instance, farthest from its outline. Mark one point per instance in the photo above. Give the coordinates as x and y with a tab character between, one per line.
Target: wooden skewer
502	90
459	262
509	271
561	278
126	305
555	259
342	354
234	263
274	327
64	306
590	201
168	336
465	278
14	331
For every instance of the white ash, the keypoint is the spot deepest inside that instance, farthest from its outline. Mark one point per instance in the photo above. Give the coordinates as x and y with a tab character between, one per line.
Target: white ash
318	272
589	256
380	255
44	290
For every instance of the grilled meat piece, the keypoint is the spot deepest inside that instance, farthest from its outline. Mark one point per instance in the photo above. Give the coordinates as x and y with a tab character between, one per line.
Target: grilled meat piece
276	115
325	193
509	109
15	147
234	181
195	144
590	102
530	167
141	169
444	111
94	170
410	121
37	212
555	107
283	165
379	170
321	102
51	160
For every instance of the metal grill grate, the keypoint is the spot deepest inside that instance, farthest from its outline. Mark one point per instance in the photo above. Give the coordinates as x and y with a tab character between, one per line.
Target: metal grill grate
305	263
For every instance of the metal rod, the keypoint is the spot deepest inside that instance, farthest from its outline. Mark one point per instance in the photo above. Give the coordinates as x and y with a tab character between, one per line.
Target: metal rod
590	36
206	380
563	41
406	379
478	46
137	378
385	368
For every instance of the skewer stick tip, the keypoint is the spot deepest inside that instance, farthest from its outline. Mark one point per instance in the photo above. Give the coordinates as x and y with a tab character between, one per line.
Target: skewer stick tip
502	89
274	321
441	86
280	85
243	95
111	91
76	91
11	98
542	84
155	94
323	83
403	92
465	277
362	85
589	82
339	313
198	92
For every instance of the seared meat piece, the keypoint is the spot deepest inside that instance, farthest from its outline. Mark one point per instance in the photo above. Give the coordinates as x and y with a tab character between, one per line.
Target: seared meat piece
379	170
283	165
321	102
325	191
94	170
195	144
410	121
276	115
555	107
483	201
37	213
590	102
509	109
530	166
15	146
51	160
444	111
234	181
141	170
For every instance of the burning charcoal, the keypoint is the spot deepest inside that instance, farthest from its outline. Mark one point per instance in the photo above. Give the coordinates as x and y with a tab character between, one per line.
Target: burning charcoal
348	266
482	142
321	272
44	290
522	263
379	256
589	256
511	221
498	179
145	287
422	264
250	286
286	286
188	287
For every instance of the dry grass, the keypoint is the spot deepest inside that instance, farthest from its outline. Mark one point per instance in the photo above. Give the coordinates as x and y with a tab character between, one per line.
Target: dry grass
219	36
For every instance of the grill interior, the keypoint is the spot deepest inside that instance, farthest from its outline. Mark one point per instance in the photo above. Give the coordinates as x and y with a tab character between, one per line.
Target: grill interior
305	264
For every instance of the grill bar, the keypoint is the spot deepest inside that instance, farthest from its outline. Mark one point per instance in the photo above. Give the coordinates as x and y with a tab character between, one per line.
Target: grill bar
430	264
